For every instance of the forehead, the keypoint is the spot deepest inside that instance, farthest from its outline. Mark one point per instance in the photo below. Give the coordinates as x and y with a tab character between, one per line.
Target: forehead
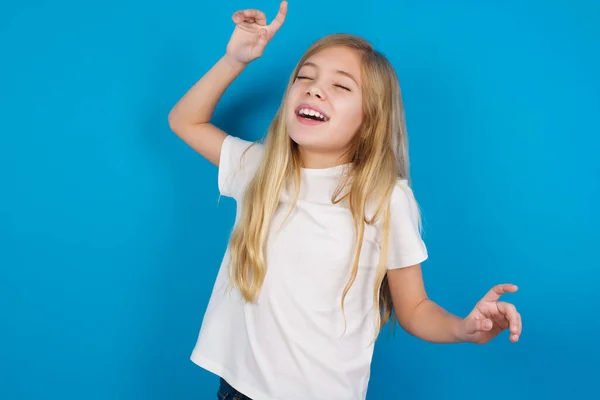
337	59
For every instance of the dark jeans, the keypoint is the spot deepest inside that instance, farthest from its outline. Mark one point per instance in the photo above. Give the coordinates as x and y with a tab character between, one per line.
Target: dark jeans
227	392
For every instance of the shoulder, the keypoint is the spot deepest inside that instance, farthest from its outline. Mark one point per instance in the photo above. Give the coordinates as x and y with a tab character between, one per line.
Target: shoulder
402	195
404	208
407	246
238	162
239	149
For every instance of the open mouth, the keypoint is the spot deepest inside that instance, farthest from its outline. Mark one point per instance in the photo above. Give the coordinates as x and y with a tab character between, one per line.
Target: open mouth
310	115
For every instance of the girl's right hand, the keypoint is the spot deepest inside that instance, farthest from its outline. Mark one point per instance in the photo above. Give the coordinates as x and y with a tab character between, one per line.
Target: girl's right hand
252	33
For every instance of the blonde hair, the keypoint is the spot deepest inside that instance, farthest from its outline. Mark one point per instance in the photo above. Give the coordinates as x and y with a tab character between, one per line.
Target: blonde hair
379	157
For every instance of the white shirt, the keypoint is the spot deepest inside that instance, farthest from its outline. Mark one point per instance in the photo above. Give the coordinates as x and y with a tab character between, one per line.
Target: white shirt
291	344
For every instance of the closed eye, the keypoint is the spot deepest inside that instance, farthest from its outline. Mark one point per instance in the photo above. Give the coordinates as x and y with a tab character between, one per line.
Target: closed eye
302	77
342	87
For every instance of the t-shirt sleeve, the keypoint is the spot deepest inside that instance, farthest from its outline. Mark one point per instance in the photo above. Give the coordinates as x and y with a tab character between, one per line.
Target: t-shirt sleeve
238	162
406	246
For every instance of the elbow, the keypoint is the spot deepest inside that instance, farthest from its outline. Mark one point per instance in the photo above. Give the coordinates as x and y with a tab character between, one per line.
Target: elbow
179	123
175	123
172	119
406	315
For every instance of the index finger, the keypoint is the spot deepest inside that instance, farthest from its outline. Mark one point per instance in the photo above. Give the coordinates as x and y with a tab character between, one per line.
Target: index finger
498	290
279	18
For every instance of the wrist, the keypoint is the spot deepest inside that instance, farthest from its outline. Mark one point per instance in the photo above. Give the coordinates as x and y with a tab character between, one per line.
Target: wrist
460	330
233	62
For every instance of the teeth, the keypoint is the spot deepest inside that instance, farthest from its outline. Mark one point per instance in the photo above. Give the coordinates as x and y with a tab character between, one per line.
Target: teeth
312	113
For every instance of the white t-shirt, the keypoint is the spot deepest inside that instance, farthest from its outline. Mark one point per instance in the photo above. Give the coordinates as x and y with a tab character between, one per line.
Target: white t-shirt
291	344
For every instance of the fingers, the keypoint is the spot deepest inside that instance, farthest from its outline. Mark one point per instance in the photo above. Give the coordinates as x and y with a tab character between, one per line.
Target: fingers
279	18
251	16
498	290
513	318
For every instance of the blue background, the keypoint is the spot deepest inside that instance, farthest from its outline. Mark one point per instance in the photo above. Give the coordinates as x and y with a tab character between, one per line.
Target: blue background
110	231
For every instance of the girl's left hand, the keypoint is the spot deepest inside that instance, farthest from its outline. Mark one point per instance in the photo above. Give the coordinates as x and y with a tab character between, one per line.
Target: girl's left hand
490	317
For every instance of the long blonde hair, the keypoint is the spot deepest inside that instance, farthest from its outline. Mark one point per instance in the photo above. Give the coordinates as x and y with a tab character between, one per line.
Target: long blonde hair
379	157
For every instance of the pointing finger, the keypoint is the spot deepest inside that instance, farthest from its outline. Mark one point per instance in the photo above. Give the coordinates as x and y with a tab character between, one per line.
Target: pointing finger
280	18
498	290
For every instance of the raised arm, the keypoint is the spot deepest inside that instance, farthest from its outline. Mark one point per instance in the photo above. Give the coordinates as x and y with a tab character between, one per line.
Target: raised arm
190	117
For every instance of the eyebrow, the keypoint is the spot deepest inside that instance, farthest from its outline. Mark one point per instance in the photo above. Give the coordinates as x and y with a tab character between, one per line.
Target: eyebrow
339	71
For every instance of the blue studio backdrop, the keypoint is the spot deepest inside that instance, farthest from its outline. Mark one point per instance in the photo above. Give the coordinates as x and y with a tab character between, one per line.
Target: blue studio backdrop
111	233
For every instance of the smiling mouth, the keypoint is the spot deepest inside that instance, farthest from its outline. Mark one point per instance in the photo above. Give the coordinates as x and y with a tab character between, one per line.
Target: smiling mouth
310	114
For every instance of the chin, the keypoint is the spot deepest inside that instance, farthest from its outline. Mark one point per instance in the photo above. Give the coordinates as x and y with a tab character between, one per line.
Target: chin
307	137
298	139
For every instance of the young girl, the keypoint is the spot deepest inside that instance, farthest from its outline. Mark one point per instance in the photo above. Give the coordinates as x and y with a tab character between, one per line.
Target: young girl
326	247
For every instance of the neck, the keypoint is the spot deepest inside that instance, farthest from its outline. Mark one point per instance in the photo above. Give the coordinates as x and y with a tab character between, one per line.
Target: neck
312	159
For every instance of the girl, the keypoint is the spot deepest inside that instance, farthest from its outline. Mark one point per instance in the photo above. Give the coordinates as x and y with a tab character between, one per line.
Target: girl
326	247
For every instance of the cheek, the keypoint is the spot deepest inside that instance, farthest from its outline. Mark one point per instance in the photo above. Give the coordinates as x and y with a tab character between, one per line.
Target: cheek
296	90
292	96
350	116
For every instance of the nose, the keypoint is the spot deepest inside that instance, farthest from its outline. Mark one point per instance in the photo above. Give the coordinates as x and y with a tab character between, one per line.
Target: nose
314	90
